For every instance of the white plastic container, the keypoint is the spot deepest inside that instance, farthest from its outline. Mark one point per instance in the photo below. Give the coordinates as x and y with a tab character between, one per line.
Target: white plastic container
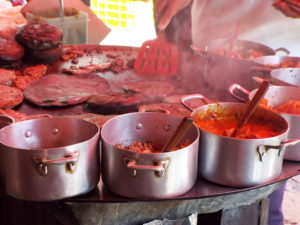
75	28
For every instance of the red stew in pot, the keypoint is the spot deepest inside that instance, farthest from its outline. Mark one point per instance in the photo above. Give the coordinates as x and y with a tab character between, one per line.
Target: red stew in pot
224	123
291	107
149	147
238	51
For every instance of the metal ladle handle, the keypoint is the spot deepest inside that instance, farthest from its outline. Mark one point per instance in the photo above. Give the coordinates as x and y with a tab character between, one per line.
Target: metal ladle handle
61	10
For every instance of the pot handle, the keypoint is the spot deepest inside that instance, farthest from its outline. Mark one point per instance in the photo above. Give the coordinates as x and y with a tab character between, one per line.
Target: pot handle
186	98
154	109
199	51
42	163
259	79
37	116
290	142
286	51
6	120
262	69
159	166
237	91
262	149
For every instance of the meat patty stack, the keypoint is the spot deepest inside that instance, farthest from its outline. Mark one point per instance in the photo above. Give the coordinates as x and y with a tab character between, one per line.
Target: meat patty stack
10	52
42	42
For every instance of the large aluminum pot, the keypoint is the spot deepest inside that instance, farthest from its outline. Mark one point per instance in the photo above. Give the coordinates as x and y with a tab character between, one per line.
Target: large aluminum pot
282	76
147	175
286	76
4	121
241	162
275	96
267	63
220	70
50	158
244	45
277	61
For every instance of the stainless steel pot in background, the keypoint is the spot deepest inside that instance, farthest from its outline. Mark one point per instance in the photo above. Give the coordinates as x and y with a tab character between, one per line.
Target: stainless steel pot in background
4	121
220	71
151	175
282	77
241	162
265	64
50	158
275	96
286	77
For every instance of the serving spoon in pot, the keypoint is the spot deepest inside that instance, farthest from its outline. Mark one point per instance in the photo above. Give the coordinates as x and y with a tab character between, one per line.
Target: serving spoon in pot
260	93
179	133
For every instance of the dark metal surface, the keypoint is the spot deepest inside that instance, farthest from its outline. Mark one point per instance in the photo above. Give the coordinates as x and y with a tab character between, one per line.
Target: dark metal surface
202	189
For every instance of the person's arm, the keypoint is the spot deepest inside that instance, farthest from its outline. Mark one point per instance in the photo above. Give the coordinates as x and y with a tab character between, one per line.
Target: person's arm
290	8
165	10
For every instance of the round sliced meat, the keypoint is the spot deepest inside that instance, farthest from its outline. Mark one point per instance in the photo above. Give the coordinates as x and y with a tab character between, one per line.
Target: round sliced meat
44	56
39	36
10	50
10	97
151	88
64	90
115	103
7	76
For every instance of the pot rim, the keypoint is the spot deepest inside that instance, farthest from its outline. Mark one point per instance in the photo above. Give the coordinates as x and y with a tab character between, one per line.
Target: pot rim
286	124
104	140
251	94
95	135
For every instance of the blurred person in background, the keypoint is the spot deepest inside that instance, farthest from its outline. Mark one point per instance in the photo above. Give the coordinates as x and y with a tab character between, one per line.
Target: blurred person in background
269	22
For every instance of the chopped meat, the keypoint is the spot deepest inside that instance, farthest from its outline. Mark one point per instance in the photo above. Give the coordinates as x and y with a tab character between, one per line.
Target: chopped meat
23	82
71	53
87	69
35	71
149	147
17	116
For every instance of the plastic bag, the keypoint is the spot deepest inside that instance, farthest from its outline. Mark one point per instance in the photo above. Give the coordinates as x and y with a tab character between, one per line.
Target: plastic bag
80	24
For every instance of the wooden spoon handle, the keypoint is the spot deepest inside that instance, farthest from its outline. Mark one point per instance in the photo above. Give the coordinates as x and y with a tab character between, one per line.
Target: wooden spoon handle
181	130
260	93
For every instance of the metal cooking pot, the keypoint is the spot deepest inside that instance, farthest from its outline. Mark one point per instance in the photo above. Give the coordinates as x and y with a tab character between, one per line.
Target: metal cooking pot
270	62
245	44
241	162
4	121
277	95
286	76
283	77
220	71
151	175
50	158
